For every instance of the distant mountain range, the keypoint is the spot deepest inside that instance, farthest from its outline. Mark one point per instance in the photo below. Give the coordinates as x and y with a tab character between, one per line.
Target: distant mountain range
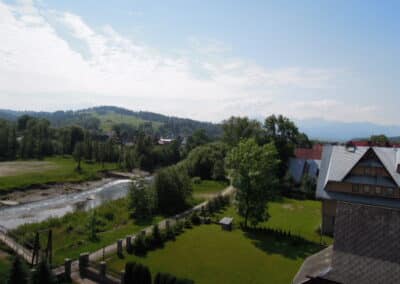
343	131
173	126
104	117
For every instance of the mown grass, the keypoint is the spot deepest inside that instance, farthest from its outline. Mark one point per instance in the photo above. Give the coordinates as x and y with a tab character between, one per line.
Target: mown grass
63	171
300	217
71	233
209	187
207	254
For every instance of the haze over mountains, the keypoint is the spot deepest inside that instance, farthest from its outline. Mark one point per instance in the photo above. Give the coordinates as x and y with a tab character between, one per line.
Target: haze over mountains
315	128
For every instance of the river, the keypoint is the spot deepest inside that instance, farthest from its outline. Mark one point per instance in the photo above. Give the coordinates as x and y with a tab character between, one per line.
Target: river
12	217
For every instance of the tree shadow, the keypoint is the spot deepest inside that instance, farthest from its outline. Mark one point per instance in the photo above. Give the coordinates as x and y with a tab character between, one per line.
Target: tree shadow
286	246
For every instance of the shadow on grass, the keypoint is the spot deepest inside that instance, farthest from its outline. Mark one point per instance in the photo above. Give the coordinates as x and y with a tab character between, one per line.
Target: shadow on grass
271	244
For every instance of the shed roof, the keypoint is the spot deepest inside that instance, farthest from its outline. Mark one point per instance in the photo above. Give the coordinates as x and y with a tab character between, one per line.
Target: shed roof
226	221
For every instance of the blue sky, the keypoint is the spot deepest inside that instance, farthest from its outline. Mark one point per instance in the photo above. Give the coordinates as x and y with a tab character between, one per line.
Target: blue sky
207	60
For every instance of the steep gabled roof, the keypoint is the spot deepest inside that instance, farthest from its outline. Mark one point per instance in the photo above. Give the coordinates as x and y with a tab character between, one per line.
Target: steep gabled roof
338	161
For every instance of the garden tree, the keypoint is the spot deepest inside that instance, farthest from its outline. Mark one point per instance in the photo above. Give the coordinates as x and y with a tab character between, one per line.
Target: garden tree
18	273
237	128
199	137
78	155
173	189
92	226
141	200
381	140
143	151
303	141
308	185
23	121
252	169
206	161
43	274
76	135
285	134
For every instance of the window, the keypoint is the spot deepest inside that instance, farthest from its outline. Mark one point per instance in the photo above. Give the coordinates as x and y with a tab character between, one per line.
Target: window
355	188
378	190
366	189
389	191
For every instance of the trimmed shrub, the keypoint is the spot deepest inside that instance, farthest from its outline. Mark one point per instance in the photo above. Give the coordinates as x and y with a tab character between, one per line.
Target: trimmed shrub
195	219
139	245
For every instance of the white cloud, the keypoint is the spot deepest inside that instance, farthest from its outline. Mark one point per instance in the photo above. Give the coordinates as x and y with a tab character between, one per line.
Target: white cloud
54	59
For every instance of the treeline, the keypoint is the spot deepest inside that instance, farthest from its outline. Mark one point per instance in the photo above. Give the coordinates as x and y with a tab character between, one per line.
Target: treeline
88	119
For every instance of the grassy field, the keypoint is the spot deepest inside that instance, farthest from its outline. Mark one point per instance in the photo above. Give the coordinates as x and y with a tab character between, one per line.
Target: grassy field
110	118
71	232
206	254
301	217
208	188
22	174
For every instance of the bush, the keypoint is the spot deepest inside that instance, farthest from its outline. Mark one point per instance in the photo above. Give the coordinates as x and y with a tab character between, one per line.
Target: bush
139	245
188	224
195	219
157	239
137	273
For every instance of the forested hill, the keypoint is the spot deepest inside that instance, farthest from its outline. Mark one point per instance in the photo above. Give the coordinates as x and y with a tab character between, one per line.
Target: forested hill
104	117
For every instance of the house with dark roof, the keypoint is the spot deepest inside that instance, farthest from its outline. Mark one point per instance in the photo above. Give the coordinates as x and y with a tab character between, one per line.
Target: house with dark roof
364	175
359	189
305	162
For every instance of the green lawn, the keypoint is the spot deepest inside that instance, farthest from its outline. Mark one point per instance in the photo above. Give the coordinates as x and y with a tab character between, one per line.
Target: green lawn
301	217
71	232
4	268
206	254
54	169
209	187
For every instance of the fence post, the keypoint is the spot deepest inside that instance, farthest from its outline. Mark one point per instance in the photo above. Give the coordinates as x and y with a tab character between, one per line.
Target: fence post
67	268
83	262
123	277
119	247
103	269
129	244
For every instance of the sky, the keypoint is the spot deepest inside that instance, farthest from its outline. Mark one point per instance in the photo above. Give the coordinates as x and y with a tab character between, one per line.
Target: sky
207	60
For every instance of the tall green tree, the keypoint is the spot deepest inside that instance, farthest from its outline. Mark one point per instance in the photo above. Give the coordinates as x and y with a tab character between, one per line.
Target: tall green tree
78	155
141	201
252	169
173	189
285	135
237	128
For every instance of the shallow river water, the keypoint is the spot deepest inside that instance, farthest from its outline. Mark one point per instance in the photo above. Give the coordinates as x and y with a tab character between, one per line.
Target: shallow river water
12	217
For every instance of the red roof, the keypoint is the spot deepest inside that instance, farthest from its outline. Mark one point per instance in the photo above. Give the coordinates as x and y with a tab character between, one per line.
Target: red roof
309	154
371	144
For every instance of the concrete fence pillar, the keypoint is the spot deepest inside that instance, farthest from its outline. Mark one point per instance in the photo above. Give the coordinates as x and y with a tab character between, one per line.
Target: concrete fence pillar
129	243
122	277
67	268
83	262
103	269
119	247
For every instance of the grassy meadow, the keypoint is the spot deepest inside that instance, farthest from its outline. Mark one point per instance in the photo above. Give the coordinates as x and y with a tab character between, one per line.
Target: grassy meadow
207	254
22	174
71	233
